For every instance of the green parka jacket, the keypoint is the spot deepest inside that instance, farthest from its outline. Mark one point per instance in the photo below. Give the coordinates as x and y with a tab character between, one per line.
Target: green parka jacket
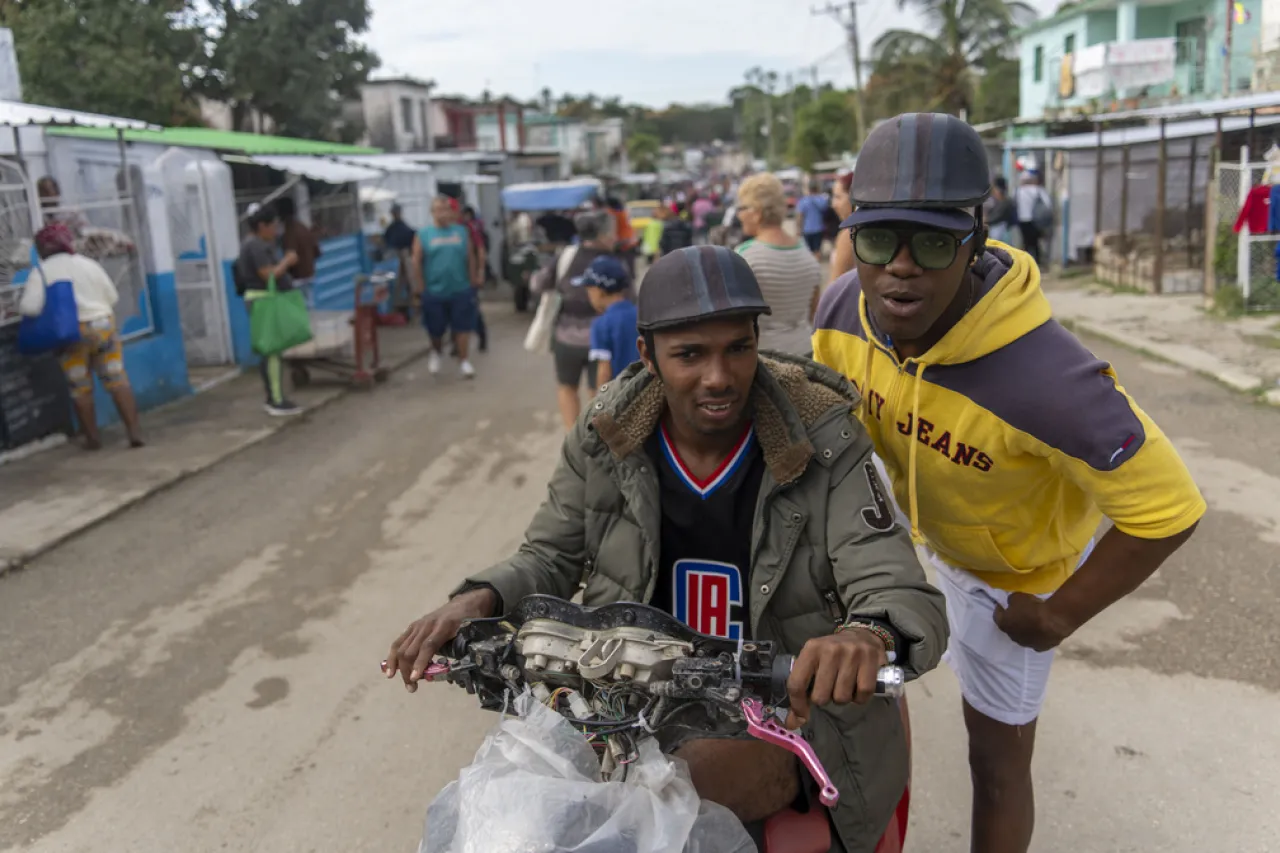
825	547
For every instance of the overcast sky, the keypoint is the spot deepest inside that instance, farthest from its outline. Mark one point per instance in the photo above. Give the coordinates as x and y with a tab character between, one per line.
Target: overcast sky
648	51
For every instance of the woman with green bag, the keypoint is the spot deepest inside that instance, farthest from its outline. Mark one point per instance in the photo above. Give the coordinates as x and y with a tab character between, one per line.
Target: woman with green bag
277	314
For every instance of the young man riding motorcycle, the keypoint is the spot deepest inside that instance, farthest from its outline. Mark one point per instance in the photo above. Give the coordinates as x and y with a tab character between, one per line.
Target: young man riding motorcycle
735	490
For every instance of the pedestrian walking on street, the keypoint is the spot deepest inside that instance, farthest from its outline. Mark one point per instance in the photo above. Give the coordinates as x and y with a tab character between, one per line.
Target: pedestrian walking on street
1035	213
447	273
842	248
677	231
480	251
398	240
98	351
1006	440
789	277
298	237
571	340
811	209
260	261
613	334
1001	212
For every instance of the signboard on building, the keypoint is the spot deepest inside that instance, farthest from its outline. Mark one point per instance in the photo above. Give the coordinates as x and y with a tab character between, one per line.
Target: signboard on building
1141	63
1124	66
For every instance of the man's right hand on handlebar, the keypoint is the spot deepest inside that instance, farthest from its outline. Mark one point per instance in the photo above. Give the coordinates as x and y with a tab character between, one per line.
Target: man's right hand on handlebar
414	649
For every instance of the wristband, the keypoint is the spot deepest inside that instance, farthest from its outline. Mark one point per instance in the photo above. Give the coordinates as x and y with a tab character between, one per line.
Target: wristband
881	633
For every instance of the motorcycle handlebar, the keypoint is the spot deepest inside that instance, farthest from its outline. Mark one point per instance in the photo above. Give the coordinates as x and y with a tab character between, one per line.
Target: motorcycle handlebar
891	681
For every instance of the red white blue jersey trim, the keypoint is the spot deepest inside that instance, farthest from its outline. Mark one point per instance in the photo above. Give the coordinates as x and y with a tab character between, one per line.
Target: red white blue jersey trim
721	475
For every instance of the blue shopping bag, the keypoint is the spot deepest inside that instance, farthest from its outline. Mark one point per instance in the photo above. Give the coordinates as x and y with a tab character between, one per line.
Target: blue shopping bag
57	326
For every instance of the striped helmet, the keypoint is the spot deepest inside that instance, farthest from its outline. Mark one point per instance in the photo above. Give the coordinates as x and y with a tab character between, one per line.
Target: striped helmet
698	283
928	168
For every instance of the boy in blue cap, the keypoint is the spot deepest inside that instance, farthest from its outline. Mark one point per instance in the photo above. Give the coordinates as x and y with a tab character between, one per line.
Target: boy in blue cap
613	333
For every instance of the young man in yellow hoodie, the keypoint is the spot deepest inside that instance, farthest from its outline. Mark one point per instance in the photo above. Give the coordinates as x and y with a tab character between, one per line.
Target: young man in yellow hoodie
1004	437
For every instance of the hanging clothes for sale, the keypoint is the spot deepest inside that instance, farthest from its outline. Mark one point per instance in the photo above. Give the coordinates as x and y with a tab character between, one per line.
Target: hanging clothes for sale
1256	213
1271	174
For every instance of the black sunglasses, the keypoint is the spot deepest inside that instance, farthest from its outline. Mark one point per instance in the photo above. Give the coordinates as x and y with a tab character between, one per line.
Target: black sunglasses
878	245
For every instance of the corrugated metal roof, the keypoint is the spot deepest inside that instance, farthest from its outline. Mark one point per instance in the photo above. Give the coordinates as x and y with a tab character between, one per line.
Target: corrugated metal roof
1139	135
319	168
390	162
220	140
17	114
1204	109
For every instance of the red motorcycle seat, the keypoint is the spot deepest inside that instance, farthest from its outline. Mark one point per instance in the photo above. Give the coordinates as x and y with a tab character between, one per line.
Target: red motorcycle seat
789	831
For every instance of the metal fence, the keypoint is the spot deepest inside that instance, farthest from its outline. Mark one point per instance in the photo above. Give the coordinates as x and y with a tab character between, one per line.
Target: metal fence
334	211
15	238
1243	264
100	205
1136	235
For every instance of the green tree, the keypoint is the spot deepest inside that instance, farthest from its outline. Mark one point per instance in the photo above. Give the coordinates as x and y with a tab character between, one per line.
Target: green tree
105	56
943	66
824	128
293	61
997	95
642	151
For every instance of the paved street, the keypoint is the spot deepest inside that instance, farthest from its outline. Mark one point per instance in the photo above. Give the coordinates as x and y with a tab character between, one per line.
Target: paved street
199	673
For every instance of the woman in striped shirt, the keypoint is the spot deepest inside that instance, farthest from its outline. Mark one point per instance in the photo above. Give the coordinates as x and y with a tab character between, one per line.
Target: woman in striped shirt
790	278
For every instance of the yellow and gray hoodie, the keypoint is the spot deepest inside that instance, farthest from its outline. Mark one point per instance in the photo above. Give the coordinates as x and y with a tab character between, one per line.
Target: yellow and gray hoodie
1008	440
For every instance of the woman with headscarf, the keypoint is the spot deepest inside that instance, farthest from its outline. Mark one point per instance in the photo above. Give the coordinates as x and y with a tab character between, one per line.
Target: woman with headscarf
98	351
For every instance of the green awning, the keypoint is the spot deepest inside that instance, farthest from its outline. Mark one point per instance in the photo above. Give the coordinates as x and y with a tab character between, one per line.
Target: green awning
218	140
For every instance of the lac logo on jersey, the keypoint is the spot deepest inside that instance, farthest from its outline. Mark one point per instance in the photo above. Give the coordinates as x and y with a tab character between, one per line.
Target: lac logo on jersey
708	597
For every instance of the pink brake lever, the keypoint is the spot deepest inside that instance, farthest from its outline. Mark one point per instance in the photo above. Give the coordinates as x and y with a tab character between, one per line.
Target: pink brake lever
435	671
770	731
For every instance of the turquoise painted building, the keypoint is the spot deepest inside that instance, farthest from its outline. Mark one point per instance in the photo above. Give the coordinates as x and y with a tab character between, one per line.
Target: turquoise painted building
1053	49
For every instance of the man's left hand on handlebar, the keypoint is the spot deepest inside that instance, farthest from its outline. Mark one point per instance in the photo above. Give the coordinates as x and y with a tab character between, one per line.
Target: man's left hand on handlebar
413	650
841	668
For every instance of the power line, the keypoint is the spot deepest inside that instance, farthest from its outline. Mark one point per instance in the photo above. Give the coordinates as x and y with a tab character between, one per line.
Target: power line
850	24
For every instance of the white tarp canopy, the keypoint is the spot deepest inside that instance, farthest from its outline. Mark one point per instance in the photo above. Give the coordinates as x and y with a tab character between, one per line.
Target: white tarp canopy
318	168
18	114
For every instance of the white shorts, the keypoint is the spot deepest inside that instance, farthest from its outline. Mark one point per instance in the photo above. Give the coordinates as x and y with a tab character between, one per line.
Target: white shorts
998	678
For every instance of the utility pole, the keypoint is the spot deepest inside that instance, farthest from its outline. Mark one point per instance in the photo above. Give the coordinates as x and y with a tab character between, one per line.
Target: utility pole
813	70
1226	52
850	25
771	80
791	103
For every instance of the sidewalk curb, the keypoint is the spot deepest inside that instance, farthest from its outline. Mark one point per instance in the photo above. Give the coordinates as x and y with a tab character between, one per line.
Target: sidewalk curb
14	562
1195	360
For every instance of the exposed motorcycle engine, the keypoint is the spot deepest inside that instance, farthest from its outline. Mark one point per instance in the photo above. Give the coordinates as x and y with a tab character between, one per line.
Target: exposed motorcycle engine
564	654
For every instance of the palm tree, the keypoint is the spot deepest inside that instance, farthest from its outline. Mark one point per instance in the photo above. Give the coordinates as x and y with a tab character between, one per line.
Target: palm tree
939	69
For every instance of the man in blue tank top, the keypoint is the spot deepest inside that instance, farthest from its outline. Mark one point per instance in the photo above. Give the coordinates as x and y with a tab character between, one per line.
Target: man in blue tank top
445	264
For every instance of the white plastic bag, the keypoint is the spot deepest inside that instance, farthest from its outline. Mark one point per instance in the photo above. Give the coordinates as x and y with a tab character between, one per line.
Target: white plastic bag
535	787
538	338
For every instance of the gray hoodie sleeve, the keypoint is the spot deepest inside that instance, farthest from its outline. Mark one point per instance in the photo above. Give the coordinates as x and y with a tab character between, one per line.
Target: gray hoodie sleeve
876	567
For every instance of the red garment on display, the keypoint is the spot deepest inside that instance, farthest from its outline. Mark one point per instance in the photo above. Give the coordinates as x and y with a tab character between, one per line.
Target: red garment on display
1256	212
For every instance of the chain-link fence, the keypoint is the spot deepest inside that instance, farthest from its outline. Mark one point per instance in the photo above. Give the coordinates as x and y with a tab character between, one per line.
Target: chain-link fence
93	198
335	210
1245	265
1123	229
15	238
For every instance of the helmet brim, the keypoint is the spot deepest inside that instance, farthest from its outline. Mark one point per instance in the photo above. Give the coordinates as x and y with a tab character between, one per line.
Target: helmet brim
677	322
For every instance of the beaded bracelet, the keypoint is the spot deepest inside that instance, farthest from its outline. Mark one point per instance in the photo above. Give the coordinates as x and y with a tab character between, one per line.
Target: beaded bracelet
881	633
